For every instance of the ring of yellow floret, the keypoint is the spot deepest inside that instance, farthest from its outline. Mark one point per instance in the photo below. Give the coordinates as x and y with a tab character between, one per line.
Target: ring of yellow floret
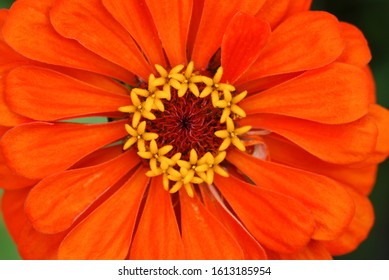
199	168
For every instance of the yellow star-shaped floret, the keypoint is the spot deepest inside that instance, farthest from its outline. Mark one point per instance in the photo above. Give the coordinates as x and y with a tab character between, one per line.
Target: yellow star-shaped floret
139	136
214	86
181	179
212	164
156	155
137	109
230	135
229	104
172	78
188	81
153	101
192	166
165	168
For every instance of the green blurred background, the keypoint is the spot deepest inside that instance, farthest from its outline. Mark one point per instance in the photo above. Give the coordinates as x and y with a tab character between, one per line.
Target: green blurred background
372	17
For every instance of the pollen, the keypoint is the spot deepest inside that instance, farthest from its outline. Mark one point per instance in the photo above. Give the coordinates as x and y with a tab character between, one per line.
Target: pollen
183	124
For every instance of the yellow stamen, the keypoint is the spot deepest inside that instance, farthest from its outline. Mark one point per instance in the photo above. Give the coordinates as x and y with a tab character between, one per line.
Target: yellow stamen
229	104
214	167
138	135
230	135
186	179
213	86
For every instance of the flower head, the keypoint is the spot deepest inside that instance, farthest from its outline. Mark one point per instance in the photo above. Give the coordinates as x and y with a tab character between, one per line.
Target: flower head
232	130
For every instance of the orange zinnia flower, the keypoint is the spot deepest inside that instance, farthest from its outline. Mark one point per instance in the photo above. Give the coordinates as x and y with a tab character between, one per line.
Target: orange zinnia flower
236	130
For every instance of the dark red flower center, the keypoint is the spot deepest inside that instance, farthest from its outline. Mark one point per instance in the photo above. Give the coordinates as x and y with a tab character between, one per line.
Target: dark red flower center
188	123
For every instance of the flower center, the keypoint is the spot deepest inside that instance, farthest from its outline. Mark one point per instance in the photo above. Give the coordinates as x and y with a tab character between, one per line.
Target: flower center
188	123
182	123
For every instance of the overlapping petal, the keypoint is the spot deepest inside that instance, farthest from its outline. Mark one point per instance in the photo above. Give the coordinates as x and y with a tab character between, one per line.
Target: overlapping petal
361	178
197	222
8	55
140	25
10	180
78	19
286	51
315	250
47	45
356	50
57	201
252	249
12	203
274	11
172	18
340	144
9	118
330	204
217	13
293	218
40	149
157	236
358	229
342	96
29	89
380	116
31	244
242	43
106	232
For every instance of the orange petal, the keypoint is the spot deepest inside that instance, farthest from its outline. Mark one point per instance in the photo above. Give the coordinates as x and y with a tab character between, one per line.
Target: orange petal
100	156
26	17
214	20
197	10
274	11
380	116
30	243
97	80
8	55
265	83
204	236
33	245
356	51
157	236
8	117
314	251
12	208
372	86
341	97
92	26
304	41
37	150
3	130
339	144
140	25
10	180
251	248
244	39
57	201
278	222
29	89
358	229
329	202
283	151
106	233
172	18
295	7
